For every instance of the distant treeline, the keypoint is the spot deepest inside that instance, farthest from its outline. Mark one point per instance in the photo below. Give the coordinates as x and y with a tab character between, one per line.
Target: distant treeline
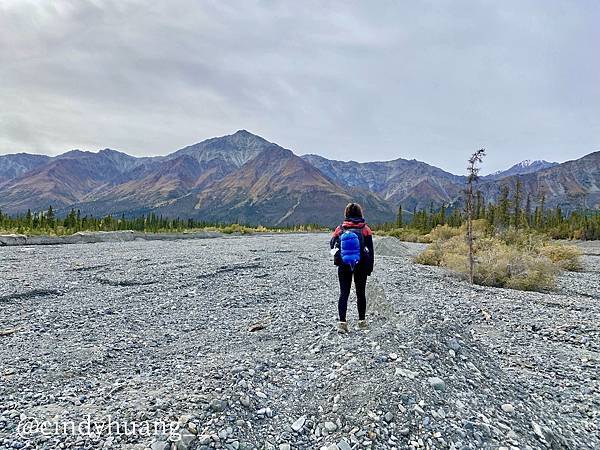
46	222
510	210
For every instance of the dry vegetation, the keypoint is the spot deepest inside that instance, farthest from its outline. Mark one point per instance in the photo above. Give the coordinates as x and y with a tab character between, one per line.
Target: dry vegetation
517	259
244	229
415	235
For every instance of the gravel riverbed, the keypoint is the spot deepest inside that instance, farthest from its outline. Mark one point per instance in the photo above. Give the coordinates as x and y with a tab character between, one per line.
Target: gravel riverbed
230	343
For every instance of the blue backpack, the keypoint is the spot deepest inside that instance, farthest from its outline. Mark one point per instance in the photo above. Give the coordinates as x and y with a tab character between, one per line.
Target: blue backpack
351	243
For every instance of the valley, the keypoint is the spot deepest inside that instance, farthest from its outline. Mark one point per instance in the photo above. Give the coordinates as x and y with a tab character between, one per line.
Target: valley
232	341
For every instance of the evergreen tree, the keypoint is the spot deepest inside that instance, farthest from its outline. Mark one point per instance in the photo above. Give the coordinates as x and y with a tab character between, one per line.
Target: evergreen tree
479	206
528	210
50	219
540	216
517	204
473	175
490	216
502	215
29	219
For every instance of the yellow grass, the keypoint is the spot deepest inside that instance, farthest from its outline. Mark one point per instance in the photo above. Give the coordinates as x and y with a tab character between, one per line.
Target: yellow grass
517	259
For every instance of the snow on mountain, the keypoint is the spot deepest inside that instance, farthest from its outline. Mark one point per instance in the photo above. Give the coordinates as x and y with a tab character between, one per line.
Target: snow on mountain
524	167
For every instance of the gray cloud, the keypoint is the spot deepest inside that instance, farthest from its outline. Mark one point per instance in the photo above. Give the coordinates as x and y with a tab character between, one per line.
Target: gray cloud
348	80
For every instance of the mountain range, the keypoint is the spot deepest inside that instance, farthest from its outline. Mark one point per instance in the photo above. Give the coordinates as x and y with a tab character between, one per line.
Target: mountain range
245	178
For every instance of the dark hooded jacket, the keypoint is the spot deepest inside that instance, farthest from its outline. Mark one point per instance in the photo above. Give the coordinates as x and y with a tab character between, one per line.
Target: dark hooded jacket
367	256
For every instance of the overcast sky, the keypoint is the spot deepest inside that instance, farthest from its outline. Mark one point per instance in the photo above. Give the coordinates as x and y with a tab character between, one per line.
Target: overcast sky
362	80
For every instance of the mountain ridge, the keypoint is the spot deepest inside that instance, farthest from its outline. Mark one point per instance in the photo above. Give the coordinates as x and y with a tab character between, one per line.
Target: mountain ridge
244	177
521	168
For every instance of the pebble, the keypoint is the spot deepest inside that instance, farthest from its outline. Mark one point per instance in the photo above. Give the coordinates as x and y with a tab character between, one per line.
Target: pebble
299	424
185	440
343	445
261	394
508	408
229	399
218	405
538	430
330	426
406	373
454	344
204	439
437	383
159	445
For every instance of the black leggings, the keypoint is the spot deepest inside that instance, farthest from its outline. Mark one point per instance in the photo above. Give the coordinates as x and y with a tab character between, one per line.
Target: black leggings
360	283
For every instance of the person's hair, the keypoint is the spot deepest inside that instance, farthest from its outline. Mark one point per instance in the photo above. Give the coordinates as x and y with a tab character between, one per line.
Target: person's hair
353	210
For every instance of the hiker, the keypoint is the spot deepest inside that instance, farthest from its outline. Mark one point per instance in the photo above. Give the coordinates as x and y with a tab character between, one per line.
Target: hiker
352	249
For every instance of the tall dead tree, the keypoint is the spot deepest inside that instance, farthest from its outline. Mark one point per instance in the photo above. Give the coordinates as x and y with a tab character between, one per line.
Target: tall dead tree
472	176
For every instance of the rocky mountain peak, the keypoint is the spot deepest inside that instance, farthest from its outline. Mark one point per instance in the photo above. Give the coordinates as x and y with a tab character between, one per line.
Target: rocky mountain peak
521	168
243	177
234	149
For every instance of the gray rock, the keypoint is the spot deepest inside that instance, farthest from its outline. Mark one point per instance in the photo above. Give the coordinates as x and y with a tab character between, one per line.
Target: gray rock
508	408
537	429
343	445
454	344
155	296
406	373
218	405
245	401
185	440
437	383
330	426
204	439
299	424
160	445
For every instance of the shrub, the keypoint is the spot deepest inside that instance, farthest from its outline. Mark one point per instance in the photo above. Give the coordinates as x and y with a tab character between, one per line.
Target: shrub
567	257
237	228
431	256
516	259
528	241
532	273
443	233
493	263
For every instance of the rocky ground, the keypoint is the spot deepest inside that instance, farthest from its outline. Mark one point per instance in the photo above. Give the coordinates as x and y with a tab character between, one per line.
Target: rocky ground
230	341
92	237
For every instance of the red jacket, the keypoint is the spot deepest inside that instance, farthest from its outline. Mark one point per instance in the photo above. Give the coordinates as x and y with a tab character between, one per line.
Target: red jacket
366	231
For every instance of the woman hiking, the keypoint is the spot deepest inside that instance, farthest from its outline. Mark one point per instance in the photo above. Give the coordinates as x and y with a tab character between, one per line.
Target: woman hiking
352	247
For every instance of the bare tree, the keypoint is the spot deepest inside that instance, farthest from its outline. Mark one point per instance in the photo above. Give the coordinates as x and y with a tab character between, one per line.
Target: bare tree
472	176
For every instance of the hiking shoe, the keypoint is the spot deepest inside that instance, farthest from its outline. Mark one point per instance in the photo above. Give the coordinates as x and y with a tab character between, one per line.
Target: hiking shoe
342	327
363	325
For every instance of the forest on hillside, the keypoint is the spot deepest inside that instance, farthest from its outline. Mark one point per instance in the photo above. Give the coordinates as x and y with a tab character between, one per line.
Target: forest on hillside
510	211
